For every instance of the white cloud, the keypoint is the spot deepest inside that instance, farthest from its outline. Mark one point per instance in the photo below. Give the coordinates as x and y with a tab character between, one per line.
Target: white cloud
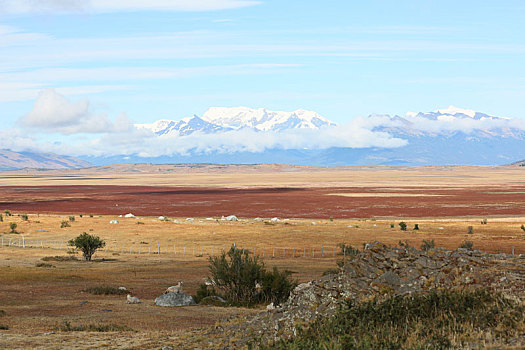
52	112
112	6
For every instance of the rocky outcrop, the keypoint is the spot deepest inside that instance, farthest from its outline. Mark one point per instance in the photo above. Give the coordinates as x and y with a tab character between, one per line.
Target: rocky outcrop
174	299
379	272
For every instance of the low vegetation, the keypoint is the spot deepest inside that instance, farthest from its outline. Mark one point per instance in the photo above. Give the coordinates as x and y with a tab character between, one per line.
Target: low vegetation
60	258
64	223
4	327
402	226
242	279
467	245
110	327
427	245
47	265
439	320
105	290
12	227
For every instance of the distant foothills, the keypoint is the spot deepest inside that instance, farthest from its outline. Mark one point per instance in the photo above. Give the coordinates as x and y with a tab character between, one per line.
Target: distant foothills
450	136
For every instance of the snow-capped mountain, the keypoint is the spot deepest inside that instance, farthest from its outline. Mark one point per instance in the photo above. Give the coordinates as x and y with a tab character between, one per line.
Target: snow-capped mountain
219	119
264	120
183	127
444	136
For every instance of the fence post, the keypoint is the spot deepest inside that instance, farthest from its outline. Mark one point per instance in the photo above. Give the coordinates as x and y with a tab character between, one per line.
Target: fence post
304	252
130	249
293	255
313	252
2	241
284	252
174	249
334	252
273	252
193	250
149	248
512	250
184	250
158	247
322	251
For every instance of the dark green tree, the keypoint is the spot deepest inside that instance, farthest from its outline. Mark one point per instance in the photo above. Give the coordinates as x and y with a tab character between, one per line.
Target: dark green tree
88	244
403	226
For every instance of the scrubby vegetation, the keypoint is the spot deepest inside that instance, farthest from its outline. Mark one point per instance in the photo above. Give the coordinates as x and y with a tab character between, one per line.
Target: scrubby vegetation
402	226
467	245
105	290
13	227
242	279
110	327
59	258
427	245
64	223
439	320
44	265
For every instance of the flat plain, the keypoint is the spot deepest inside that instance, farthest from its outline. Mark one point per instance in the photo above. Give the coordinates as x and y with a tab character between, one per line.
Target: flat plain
317	208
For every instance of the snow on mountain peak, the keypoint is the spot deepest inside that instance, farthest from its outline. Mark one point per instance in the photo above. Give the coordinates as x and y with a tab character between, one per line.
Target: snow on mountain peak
264	120
451	110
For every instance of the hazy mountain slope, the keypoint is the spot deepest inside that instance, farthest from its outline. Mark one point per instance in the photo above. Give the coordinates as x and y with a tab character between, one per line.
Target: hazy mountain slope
18	160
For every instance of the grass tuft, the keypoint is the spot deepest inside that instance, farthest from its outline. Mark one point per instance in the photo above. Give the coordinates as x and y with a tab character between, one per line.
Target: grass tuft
110	327
59	258
105	290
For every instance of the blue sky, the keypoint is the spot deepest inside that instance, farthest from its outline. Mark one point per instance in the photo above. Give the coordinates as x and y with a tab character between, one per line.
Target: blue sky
173	58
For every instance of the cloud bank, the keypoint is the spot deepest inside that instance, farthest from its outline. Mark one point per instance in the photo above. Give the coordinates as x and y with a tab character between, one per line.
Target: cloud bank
52	112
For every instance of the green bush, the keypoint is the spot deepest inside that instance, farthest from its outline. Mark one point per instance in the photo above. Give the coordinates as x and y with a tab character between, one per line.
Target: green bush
64	223
13	227
4	327
59	258
438	320
523	228
347	250
391	225
88	244
7	213
416	227
204	292
1	218
403	226
427	245
470	230
71	218
243	279
24	217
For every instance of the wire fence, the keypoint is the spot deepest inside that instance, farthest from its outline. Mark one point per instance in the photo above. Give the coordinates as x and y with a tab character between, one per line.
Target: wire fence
182	250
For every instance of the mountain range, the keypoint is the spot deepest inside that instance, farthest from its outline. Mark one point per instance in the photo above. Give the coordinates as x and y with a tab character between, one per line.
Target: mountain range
447	136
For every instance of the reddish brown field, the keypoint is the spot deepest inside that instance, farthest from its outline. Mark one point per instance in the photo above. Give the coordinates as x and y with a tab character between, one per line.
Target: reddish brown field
345	202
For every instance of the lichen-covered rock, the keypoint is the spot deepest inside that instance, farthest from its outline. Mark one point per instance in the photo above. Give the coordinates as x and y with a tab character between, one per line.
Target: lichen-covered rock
379	272
174	299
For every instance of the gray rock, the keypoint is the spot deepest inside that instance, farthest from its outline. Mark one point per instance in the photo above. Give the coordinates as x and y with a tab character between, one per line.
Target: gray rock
174	299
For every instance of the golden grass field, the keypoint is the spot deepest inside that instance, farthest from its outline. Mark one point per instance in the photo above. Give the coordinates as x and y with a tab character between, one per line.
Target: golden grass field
38	299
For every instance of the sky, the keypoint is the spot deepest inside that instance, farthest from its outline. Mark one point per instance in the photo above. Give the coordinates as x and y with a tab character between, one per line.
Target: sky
111	63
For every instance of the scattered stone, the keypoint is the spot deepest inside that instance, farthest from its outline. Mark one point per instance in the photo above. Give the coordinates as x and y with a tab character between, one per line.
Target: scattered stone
230	218
83	302
174	299
113	221
274	220
162	218
132	300
190	219
258	219
41	230
129	215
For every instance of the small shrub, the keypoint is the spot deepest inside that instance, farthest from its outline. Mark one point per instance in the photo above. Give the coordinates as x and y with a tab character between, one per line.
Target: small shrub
404	244
24	217
523	228
59	258
347	250
71	218
3	313
13	227
88	244
236	274
64	223
416	227
105	290
427	245
204	292
81	215
111	327
90	215
140	223
44	265
467	245
391	225
484	221
1	218
4	327
7	213
331	218
403	226
470	230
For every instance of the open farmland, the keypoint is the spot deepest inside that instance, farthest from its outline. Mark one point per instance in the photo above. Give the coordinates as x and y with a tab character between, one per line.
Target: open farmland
363	203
